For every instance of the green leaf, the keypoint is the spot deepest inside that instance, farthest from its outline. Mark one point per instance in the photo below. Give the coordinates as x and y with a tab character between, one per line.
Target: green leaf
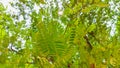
101	4
2	32
88	9
91	28
1	8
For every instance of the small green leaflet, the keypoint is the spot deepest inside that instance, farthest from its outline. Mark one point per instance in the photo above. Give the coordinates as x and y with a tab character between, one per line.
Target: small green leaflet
2	31
91	28
102	5
88	9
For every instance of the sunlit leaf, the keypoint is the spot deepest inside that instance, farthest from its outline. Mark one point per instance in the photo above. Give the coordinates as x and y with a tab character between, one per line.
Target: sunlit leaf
2	32
91	27
102	4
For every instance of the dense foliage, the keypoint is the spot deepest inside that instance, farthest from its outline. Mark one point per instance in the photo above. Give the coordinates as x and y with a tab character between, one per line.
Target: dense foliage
60	34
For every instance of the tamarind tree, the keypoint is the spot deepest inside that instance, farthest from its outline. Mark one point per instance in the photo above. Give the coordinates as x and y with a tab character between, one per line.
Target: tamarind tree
60	34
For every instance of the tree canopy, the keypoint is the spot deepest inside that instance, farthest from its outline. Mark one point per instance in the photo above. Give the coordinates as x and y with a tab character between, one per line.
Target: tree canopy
60	34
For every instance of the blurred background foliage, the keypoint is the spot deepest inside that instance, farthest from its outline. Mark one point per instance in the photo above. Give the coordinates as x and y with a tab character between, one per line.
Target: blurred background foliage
60	34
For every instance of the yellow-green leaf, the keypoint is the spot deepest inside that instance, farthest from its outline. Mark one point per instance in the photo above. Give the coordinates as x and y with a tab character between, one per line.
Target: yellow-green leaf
2	31
91	28
102	4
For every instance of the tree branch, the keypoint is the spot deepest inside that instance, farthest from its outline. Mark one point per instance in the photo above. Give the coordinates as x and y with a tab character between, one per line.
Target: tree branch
87	40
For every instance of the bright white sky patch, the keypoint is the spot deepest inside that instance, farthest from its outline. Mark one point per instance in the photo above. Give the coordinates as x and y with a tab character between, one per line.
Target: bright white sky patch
10	9
6	2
